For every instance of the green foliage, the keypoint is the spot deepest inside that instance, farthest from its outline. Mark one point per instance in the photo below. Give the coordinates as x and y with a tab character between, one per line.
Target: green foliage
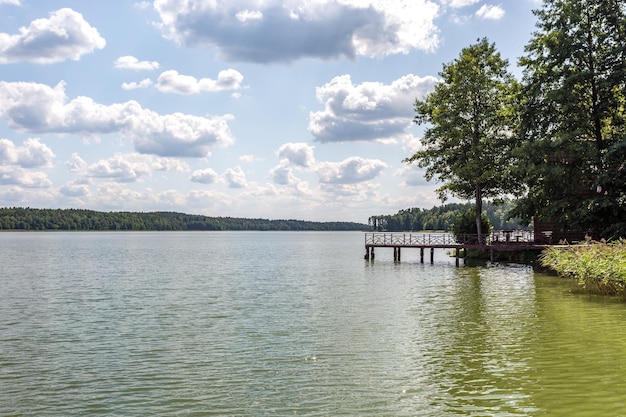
57	219
600	268
465	224
443	218
468	142
471	117
574	116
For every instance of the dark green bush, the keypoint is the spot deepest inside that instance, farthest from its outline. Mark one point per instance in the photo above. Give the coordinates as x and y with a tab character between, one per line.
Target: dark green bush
465	224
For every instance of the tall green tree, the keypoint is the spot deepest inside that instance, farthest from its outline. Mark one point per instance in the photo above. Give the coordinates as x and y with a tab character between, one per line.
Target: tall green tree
574	116
472	120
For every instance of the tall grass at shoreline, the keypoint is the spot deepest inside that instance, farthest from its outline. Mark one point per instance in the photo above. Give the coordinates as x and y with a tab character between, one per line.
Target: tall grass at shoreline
599	268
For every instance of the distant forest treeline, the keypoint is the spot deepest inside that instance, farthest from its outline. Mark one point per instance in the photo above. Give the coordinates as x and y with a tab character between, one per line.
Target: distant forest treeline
413	219
74	219
442	218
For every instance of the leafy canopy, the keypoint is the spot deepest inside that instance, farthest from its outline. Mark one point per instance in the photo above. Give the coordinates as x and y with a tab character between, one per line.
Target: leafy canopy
471	118
471	122
574	116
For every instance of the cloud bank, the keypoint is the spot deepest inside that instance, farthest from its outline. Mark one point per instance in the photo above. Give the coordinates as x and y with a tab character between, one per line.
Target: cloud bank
34	107
285	31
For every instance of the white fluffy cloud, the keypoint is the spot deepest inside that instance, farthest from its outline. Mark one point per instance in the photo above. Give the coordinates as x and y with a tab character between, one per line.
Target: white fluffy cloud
332	175
130	167
248	15
279	31
350	171
173	82
204	176
368	111
299	154
121	168
145	83
64	35
34	107
283	173
75	190
168	164
235	177
23	178
249	158
132	63
491	12
31	154
76	163
459	3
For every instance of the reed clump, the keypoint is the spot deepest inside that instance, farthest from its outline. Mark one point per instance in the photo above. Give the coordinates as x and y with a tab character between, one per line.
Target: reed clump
599	267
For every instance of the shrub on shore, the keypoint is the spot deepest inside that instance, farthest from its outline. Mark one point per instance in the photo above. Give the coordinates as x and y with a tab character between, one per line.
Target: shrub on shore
599	268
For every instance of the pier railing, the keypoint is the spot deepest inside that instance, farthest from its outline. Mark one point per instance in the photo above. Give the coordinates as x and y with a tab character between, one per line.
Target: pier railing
497	238
410	239
504	240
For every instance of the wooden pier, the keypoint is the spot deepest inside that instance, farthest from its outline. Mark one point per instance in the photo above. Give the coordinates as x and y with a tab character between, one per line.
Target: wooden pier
505	240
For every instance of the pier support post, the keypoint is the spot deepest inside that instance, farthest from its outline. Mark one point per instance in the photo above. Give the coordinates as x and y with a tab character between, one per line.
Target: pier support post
398	254
422	255
457	255
432	255
367	254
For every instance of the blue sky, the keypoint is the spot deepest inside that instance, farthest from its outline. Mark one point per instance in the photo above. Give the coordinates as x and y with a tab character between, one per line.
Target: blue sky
296	109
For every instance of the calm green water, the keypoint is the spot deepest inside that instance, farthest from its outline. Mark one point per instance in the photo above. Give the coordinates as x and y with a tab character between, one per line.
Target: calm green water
283	324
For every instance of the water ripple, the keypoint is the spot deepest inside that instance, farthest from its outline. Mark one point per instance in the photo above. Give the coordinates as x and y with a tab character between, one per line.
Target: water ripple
277	324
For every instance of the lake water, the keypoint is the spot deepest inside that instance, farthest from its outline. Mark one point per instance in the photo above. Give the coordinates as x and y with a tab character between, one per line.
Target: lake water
284	324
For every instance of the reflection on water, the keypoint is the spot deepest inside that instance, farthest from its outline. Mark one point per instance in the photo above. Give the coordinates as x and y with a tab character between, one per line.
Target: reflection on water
482	334
252	324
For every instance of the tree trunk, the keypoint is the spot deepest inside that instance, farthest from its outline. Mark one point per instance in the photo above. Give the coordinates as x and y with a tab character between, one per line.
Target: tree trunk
479	212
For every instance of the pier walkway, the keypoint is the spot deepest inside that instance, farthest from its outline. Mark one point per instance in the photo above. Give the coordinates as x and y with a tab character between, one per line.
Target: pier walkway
505	240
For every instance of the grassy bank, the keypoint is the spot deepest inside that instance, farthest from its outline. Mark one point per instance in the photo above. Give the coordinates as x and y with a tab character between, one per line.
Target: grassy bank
599	268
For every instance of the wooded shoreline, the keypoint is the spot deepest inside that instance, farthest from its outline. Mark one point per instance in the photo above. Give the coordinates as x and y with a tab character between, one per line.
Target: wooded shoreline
90	220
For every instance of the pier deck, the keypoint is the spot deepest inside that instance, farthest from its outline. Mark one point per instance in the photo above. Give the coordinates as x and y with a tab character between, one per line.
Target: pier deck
506	240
